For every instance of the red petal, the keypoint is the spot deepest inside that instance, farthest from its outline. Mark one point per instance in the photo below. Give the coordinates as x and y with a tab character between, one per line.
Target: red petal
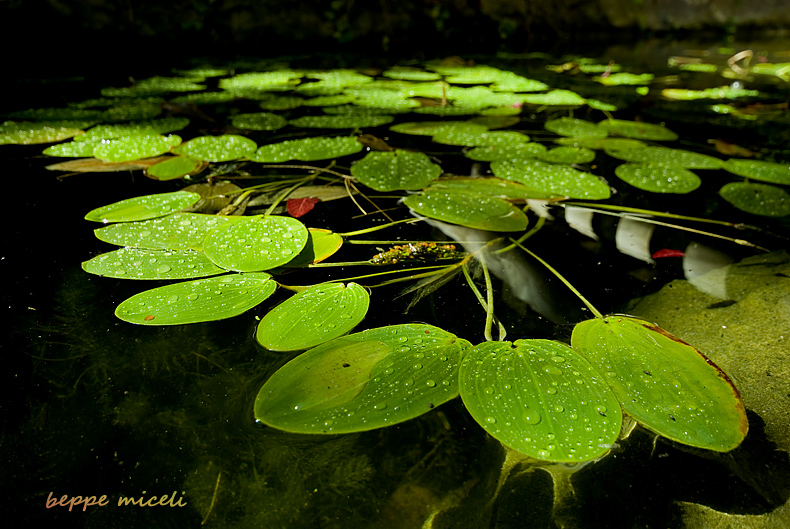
300	206
667	253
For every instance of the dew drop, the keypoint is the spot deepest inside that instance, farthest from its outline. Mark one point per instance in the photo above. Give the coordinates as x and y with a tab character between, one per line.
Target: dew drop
532	417
551	391
163	269
490	420
380	405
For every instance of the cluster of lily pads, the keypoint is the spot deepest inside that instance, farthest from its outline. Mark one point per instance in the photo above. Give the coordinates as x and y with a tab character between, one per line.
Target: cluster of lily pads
545	399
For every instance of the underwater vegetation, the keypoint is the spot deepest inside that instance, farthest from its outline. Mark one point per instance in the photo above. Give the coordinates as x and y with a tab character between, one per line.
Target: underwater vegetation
336	402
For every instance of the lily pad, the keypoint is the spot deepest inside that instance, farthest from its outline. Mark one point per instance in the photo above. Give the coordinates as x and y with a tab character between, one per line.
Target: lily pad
658	178
578	128
254	244
215	298
348	121
72	149
473	210
492	187
554	98
217	148
431	128
569	155
663	382
610	144
758	199
363	381
129	148
139	263
151	126
395	170
552	178
313	316
259	121
175	167
27	133
665	155
180	231
511	153
308	149
144	207
637	130
321	245
540	398
775	173
501	138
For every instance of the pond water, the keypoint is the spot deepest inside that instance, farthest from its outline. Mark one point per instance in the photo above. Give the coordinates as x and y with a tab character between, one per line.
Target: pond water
98	407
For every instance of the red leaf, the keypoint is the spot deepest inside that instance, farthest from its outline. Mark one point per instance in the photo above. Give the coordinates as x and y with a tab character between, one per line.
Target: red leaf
667	253
300	206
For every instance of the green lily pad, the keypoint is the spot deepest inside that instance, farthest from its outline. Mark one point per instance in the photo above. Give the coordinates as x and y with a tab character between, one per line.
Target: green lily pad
665	155
261	80
663	382
144	207
541	399
175	167
578	128
511	82
215	298
431	128
308	149
329	101
259	121
625	78
492	187
511	153
27	133
775	173
254	244
313	316
217	148
473	210
637	130
569	155
610	144
349	121
501	138
73	149
556	179
658	178
278	102
151	126
410	74
395	170
363	381
758	199
139	263
321	245
180	231
554	98
129	148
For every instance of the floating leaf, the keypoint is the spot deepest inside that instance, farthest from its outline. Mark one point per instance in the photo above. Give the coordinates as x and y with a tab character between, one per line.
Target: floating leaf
637	130
473	210
610	144
493	187
259	121
130	148
410	74
395	170
73	149
92	165
665	155
254	244
215	298
139	263
329	101
144	207
759	199
658	178
554	98
180	231
153	126
540	398
556	179
363	381
431	128
217	148
308	149
775	173
278	102
569	155
663	382
321	244
313	316
175	167
511	153
511	82
625	78
261	80
31	133
500	138
349	121
578	128
298	207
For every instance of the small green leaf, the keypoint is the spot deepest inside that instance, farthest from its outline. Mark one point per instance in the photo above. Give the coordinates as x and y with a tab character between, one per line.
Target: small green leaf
31	133
321	245
431	128
348	121
73	149
540	398
500	138
217	148
144	207
758	199
308	149
663	382
152	126
139	263
129	148
254	244
610	144
313	316
510	153
569	155
637	130
775	173
473	210
180	231
211	299
175	167
492	187
556	179
396	170
665	155
363	381
578	128
658	178
554	98
259	121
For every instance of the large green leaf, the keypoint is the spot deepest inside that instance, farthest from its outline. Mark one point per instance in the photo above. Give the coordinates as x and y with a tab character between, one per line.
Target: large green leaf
180	231
775	173
431	128
140	263
578	128
665	155
211	299
568	154
658	178
492	187
540	398
321	245
363	381
129	148
395	170
500	138
27	133
217	148
343	121
510	153
259	121
759	199
313	316
663	382
144	207
152	126
637	130
175	167
254	244
556	179
473	210
308	149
